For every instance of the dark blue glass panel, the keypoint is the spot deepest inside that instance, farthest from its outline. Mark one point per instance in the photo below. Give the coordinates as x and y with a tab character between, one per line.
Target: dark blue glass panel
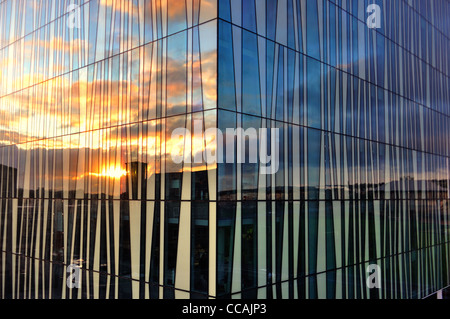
290	25
279	111
313	97
312	32
271	14
333	74
270	60
314	151
380	54
226	184
355	48
226	80
291	69
249	14
251	93
224	9
280	181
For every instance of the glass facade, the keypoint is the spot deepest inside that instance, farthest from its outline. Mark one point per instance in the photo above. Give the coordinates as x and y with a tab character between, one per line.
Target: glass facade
92	91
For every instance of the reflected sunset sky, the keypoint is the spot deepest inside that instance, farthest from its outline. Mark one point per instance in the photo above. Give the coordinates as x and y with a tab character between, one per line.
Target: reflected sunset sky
111	109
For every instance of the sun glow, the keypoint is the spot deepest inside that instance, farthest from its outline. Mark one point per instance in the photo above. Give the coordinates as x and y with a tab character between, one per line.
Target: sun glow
115	172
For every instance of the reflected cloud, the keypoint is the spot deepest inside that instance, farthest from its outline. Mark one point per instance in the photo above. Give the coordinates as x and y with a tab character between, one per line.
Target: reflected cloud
91	98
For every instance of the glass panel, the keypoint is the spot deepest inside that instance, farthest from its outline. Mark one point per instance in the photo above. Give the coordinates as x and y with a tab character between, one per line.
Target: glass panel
199	248
314	90
176	73
226	213
208	55
249	169
249	250
208	10
312	31
174	147
251	93
249	15
177	15
171	219
226	187
226	89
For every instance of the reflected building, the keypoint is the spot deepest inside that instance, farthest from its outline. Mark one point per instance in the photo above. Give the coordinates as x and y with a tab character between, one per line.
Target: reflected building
88	175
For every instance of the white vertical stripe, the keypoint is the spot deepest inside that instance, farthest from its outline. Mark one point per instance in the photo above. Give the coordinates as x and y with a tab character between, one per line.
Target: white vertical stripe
262	249
212	248
36	249
285	248
108	246
14	207
161	250
236	274
88	241
262	179
148	240
183	267
337	233
135	245
321	240
116	244
306	243
66	246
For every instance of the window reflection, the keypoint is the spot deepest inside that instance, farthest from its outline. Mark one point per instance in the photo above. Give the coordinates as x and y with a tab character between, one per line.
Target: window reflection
171	218
176	74
227	171
86	168
200	249
225	239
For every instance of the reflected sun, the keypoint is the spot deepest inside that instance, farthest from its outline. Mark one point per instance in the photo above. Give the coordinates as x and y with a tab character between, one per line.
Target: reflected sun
113	172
